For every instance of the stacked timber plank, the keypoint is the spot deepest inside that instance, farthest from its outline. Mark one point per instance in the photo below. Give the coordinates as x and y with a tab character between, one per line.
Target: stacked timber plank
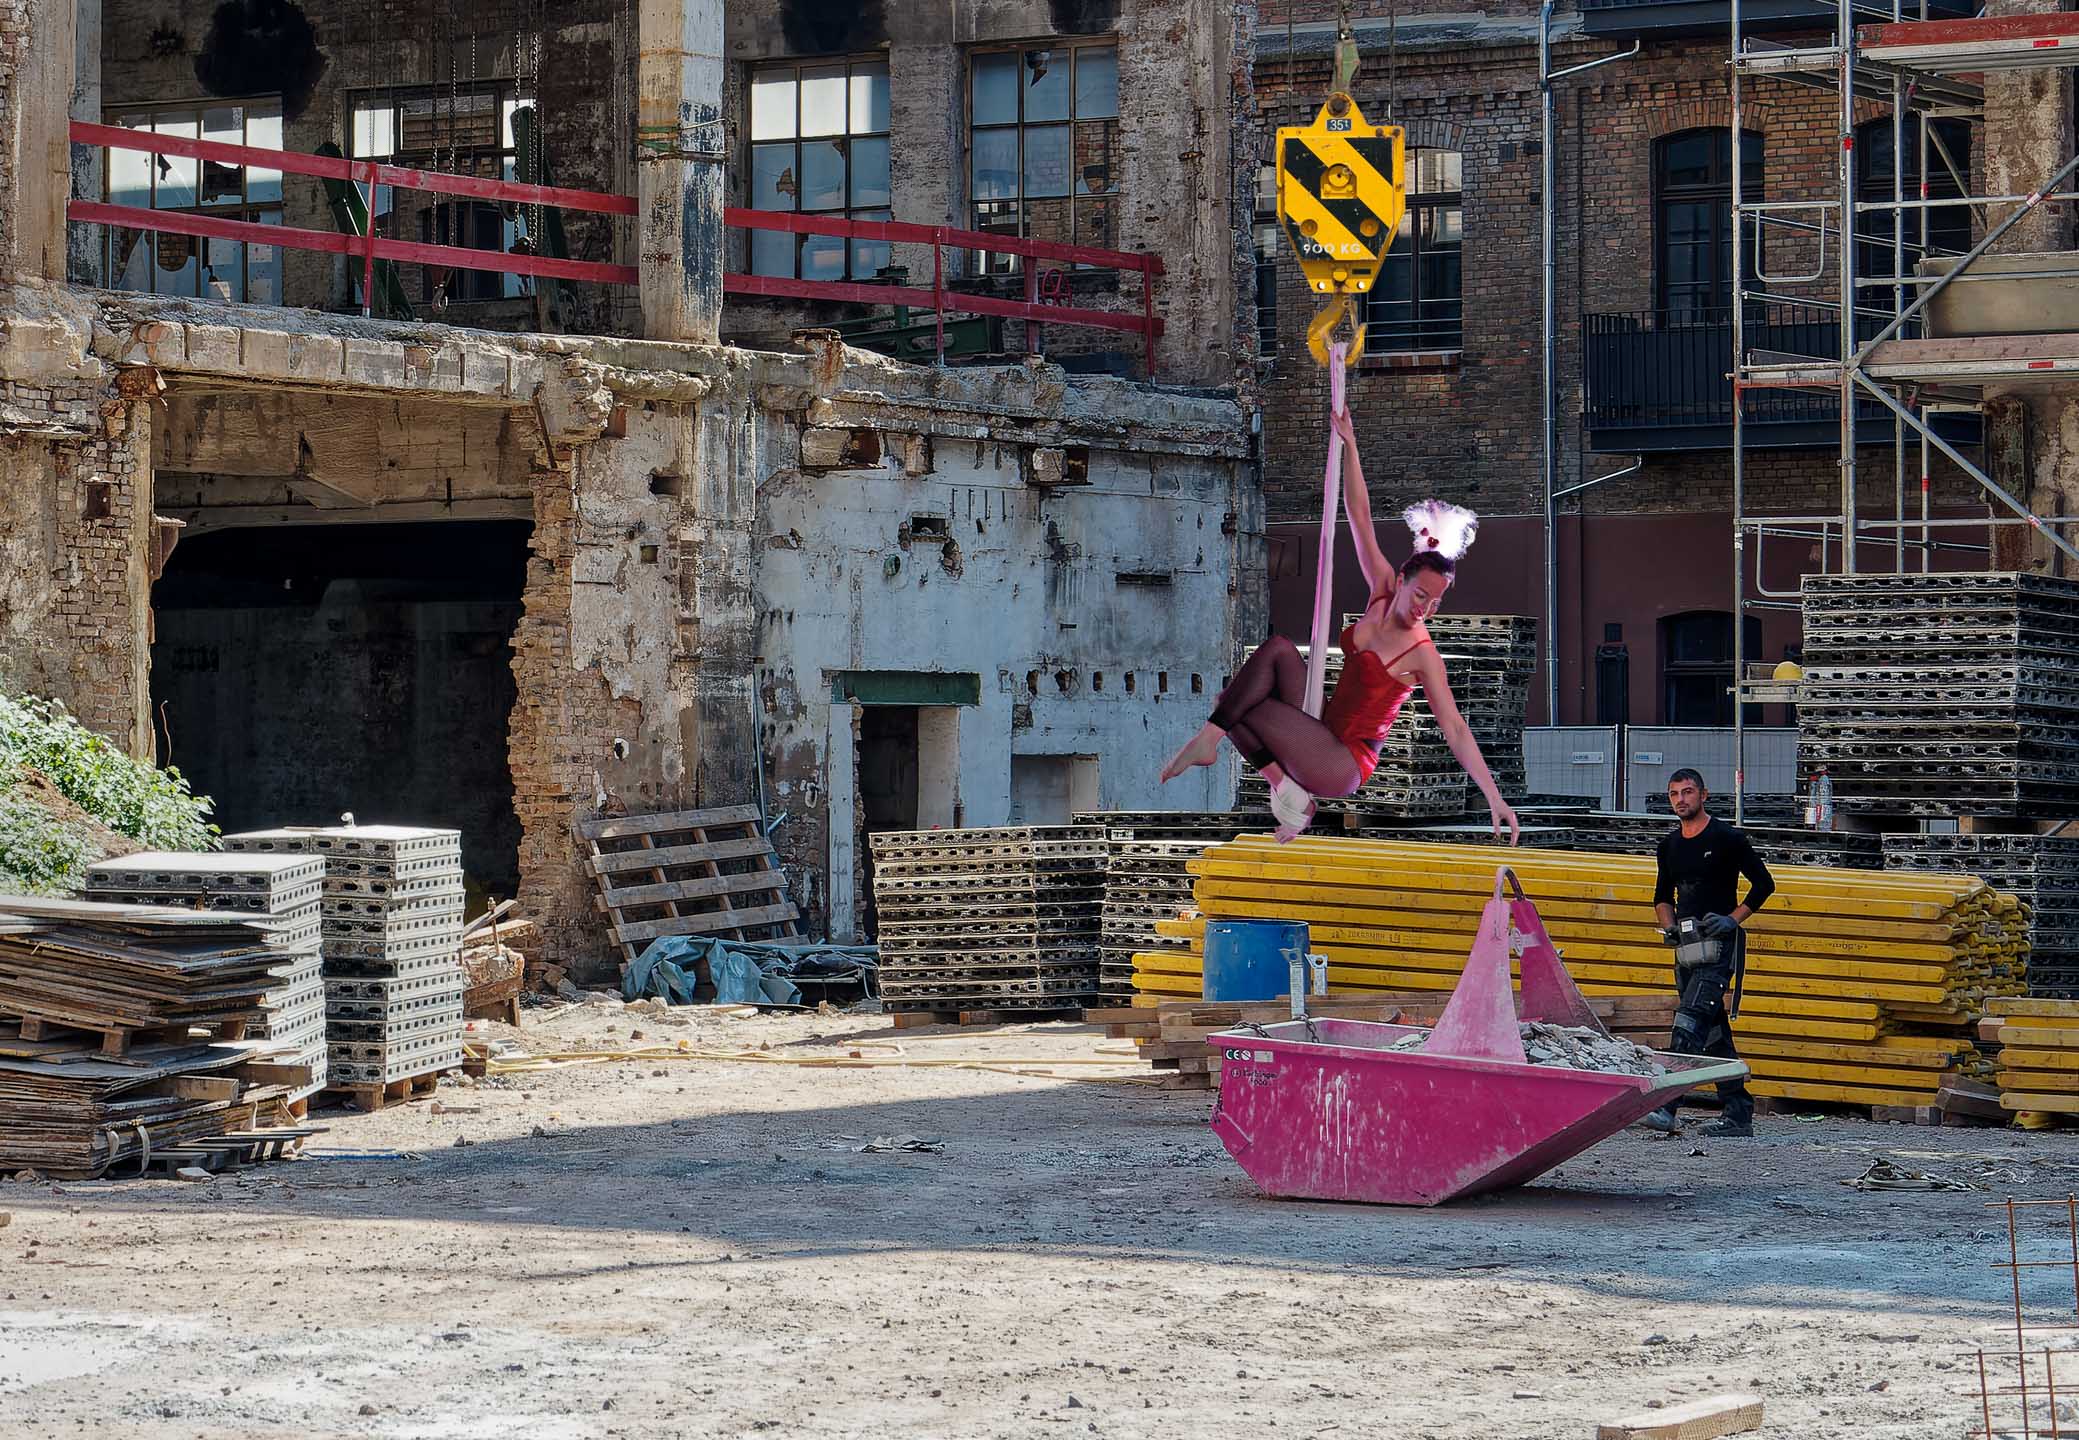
282	889
2041	871
989	919
1861	986
1172	1036
710	873
2038	1054
391	939
1950	694
100	1059
1613	832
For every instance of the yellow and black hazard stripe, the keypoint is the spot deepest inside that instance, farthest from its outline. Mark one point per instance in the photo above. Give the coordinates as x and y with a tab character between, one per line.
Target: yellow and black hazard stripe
1341	195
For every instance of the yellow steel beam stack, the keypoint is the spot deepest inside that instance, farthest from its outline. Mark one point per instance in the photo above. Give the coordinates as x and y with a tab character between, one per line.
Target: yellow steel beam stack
2039	1054
1847	970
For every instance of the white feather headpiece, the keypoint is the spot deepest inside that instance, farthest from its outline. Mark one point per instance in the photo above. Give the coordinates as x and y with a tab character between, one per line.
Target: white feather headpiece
1446	529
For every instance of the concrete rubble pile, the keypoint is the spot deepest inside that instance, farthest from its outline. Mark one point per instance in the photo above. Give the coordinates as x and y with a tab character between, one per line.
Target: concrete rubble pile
283	889
391	942
1569	1047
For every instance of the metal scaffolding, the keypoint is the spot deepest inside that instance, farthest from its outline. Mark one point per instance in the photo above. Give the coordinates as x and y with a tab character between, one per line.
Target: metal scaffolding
1912	67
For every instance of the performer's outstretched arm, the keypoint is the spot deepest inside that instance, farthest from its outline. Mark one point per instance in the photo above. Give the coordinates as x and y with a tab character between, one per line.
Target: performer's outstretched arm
1379	573
1460	735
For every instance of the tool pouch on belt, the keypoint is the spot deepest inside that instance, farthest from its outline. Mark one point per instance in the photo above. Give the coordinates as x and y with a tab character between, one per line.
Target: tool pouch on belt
1696	951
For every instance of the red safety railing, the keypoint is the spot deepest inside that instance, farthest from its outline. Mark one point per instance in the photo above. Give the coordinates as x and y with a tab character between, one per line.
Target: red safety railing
1036	309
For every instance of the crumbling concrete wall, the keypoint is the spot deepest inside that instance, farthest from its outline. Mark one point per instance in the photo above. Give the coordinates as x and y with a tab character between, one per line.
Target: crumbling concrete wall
36	79
2032	436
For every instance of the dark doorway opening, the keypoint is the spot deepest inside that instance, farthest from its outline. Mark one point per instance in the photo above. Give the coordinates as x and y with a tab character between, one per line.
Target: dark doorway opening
309	671
1696	668
889	763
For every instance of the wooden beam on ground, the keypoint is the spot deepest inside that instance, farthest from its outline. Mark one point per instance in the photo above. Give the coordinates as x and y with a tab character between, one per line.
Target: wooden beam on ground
1705	1419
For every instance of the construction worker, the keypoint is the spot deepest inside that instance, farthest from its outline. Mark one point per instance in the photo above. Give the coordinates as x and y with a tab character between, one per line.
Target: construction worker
1701	861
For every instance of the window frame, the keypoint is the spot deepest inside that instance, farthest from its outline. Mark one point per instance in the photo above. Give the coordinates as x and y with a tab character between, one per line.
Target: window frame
261	211
863	259
449	219
1265	233
1716	195
1872	231
1425	335
1020	204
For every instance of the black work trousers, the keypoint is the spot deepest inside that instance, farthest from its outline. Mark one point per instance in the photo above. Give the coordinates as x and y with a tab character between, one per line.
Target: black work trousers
1704	1027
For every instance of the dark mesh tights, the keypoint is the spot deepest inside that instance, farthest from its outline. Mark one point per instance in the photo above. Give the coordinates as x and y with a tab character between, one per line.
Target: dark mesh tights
1261	712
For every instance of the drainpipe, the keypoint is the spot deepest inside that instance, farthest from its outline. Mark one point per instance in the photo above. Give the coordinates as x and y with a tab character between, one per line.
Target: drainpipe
1548	269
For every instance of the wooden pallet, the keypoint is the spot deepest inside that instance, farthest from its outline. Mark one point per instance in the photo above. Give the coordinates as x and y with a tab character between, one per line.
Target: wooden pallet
689	872
30	1035
371	1098
221	1153
917	1019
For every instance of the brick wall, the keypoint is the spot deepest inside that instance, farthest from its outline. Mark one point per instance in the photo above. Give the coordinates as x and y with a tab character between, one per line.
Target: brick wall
75	522
1467	424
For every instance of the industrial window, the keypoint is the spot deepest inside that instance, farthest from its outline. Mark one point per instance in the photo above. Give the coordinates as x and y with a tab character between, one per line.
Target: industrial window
1265	230
466	130
1948	226
819	146
1044	146
165	264
1692	173
1417	302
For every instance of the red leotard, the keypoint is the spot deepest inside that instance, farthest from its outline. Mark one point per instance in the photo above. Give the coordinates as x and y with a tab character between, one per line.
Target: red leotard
1367	700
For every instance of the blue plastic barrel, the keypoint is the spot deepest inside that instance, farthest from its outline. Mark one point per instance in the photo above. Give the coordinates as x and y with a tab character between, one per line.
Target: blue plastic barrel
1245	959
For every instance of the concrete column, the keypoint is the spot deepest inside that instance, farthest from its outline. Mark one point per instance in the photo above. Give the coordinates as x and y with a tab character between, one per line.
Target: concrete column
2029	132
682	156
36	76
85	262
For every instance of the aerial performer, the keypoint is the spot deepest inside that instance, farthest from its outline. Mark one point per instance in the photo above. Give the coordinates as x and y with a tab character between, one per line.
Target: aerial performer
1387	656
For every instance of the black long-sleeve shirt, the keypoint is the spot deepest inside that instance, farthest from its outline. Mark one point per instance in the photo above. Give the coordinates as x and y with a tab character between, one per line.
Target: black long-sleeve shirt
1699	875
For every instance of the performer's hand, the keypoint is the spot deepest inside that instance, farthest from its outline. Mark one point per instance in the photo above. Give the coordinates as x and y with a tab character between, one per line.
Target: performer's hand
1718	927
1503	815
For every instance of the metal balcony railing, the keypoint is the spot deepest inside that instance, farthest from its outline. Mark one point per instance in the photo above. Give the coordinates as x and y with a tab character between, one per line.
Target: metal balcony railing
1659	380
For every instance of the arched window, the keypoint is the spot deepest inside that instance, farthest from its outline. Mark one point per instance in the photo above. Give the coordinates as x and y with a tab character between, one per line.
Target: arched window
1948	226
1692	221
1417	301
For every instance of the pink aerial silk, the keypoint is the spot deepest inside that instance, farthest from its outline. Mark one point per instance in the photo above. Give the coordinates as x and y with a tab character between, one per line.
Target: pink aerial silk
1331	502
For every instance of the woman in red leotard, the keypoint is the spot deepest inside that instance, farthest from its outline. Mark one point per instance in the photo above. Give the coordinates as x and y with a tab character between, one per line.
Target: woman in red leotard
1387	655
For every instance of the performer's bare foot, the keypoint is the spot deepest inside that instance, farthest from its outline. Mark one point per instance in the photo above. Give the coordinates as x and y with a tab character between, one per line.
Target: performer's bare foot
1201	749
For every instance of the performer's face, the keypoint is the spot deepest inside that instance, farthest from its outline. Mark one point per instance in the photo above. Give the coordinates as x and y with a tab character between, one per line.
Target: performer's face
1421	596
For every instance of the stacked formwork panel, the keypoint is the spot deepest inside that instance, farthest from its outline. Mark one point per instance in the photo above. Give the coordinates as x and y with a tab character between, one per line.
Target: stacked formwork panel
391	942
1943	695
989	919
2041	871
283	890
1147	880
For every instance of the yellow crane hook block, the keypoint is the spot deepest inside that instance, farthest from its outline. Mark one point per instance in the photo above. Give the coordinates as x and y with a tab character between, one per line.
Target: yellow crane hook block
1342	189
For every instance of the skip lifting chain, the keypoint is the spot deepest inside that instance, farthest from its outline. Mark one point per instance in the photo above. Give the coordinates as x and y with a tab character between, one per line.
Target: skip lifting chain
1342	190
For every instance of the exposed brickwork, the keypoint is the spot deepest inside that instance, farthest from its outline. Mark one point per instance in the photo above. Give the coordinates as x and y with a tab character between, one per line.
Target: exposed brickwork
75	518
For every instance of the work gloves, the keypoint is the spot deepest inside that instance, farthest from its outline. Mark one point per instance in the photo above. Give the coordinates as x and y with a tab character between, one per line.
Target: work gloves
1718	927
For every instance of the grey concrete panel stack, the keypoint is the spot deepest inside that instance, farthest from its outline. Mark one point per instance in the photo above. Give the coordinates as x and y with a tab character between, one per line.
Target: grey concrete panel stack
1146	882
1943	695
286	890
2041	871
392	939
1617	832
993	919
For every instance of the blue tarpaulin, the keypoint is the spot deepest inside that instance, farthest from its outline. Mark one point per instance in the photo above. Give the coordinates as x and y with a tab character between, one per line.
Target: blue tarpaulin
745	972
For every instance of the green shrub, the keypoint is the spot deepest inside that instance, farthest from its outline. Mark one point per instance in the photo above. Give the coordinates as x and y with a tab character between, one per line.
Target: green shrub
152	806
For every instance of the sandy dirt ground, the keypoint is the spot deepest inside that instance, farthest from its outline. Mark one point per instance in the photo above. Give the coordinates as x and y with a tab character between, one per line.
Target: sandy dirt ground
699	1248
